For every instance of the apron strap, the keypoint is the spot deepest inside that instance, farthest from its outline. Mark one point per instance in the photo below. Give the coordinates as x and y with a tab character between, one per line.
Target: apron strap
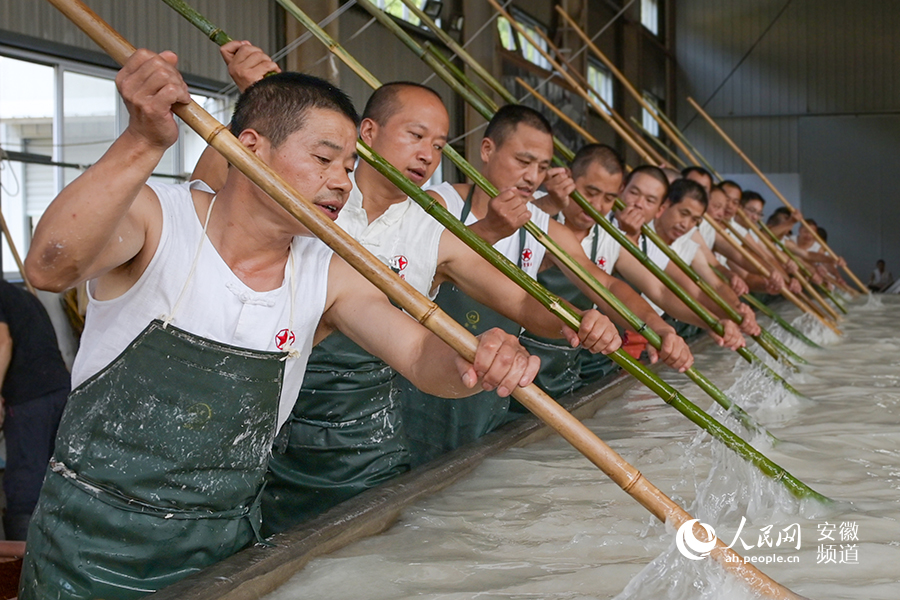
596	233
467	208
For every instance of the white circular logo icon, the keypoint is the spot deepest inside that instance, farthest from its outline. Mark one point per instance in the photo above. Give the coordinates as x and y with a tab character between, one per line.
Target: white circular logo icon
689	545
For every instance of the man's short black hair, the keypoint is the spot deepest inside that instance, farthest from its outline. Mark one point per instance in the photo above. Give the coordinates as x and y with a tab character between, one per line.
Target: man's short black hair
276	106
685	189
654	172
749	196
732	184
695	169
511	116
384	102
601	154
822	233
778	217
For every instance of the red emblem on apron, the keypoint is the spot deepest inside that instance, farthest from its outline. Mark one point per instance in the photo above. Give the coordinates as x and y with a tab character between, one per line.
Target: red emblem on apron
527	255
601	262
283	338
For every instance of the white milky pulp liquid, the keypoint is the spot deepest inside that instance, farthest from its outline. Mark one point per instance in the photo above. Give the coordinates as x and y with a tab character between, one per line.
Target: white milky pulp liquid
542	522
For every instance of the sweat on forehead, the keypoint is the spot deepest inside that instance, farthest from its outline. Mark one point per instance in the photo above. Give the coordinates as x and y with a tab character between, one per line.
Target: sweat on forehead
385	102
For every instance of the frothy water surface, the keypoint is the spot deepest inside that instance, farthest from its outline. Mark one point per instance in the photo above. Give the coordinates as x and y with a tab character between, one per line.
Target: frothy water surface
542	522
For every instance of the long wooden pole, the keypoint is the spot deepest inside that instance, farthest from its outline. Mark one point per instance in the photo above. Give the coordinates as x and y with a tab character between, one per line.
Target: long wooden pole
624	81
738	244
765	339
772	187
619	470
758	228
414	192
677	137
595	94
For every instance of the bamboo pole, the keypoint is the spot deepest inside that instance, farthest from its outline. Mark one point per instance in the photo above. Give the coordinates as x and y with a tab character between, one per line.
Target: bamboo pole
763	340
571	81
619	470
738	244
623	80
760	229
781	197
583	82
677	161
470	172
667	126
15	253
707	289
705	384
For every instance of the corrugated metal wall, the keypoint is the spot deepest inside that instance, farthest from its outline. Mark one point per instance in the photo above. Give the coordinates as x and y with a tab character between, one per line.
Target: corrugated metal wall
151	24
821	59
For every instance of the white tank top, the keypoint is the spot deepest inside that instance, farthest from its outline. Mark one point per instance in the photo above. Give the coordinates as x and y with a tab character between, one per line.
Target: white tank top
607	247
405	238
708	233
216	304
532	252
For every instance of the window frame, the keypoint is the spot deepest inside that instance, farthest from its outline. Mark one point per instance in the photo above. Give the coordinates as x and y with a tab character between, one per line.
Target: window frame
22	229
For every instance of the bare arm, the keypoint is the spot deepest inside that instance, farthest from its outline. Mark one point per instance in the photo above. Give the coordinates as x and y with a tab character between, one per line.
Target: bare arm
361	312
247	64
107	220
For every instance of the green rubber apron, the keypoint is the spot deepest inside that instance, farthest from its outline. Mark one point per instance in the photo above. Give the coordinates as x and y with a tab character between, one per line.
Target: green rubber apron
344	436
159	464
157	471
437	425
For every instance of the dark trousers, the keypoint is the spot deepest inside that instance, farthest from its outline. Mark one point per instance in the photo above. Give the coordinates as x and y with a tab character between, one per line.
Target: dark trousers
30	429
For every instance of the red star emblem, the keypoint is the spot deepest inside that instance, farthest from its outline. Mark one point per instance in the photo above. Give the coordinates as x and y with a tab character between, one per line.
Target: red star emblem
601	262
527	254
283	338
398	263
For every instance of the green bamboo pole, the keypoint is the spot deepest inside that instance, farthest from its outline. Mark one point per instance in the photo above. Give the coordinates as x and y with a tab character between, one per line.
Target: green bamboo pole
803	269
768	238
706	288
771	338
448	64
568	154
658	143
763	308
704	383
553	303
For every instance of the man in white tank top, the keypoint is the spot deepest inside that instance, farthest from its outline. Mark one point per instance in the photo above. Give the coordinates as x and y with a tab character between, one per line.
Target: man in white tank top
244	284
645	189
682	211
407	125
597	173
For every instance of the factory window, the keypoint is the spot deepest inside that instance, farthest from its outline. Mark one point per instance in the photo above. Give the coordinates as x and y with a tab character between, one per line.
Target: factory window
401	11
56	118
516	42
648	121
650	15
600	80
